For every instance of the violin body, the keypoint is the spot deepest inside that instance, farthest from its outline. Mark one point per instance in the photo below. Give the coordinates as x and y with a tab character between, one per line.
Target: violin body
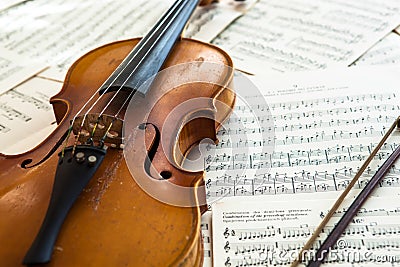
113	222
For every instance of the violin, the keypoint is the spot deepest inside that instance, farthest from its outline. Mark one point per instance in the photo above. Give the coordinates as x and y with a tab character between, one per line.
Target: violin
74	200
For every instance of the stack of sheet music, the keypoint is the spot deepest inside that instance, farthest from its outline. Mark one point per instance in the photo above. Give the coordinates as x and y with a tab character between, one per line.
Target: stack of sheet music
326	124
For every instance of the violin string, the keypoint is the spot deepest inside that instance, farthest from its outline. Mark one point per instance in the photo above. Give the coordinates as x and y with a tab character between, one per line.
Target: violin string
141	60
145	41
167	17
171	11
132	73
115	117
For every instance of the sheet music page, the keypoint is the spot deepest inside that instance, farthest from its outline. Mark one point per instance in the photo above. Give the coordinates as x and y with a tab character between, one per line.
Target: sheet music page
206	221
207	228
386	51
325	128
261	232
303	35
60	32
15	69
27	117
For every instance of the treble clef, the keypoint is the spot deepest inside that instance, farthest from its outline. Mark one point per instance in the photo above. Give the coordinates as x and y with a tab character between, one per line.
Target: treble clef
227	247
226	232
228	262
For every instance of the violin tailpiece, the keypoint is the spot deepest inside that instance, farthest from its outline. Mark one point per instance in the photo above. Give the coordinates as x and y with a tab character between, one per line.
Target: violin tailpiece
73	173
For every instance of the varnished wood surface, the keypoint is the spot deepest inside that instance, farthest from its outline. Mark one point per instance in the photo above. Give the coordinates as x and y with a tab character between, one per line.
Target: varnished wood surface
113	222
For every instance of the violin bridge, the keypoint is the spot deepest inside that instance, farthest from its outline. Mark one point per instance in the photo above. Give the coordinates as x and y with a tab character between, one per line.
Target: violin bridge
99	129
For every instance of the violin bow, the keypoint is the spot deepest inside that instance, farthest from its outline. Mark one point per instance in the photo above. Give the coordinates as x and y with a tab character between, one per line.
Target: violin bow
348	216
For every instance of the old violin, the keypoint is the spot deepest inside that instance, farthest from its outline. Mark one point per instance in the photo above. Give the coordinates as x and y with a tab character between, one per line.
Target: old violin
72	200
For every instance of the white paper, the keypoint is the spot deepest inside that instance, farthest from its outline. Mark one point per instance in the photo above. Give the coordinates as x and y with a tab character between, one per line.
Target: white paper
26	116
280	36
263	232
15	69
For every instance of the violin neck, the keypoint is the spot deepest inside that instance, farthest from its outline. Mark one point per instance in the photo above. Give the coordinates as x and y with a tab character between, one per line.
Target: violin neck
147	58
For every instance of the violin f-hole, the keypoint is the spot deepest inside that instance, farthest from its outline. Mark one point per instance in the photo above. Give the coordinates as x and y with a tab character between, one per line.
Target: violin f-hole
152	149
25	164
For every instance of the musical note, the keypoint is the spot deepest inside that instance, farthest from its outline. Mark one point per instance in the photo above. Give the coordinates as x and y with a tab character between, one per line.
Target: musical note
4	129
11	113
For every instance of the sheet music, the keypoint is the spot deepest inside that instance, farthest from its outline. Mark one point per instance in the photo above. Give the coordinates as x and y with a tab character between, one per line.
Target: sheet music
207	227
302	35
15	69
386	51
59	32
325	128
27	117
264	232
